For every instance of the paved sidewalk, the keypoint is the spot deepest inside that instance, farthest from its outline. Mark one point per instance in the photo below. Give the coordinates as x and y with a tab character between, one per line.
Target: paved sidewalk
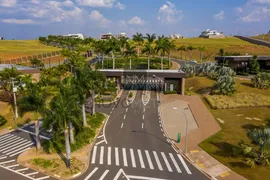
201	126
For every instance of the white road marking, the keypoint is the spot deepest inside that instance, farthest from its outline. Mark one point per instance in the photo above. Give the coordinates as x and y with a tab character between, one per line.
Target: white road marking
158	161
3	157
144	178
175	163
141	159
11	141
160	125
124	157
3	148
6	162
104	175
100	136
104	130
94	155
113	109
161	129
4	136
143	109
122	125
168	140
143	117
126	109
111	112
44	177
166	162
29	177
109	155
100	142
19	152
15	165
125	116
184	164
91	174
101	155
142	125
116	157
149	159
23	169
164	135
132	158
32	173
26	144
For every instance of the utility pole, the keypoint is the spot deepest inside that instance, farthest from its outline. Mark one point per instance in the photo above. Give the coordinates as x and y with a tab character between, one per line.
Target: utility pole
14	89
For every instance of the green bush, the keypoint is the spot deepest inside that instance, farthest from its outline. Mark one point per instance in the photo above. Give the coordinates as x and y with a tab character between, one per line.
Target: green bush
44	163
189	69
3	120
170	92
130	95
261	81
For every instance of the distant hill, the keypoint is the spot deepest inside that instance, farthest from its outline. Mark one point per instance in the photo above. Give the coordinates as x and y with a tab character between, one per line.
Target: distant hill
269	32
264	37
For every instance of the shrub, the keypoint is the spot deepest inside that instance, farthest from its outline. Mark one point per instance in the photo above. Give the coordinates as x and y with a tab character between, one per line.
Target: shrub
208	69
189	69
261	81
3	120
130	95
225	85
170	92
44	163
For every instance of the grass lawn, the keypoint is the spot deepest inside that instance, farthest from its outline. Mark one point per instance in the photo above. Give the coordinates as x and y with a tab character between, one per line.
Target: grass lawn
234	129
265	37
229	44
16	48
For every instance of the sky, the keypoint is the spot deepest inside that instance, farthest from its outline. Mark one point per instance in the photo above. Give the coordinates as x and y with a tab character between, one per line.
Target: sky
29	19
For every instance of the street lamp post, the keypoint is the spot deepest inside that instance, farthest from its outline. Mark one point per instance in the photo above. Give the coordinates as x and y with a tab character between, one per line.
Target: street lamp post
186	141
14	89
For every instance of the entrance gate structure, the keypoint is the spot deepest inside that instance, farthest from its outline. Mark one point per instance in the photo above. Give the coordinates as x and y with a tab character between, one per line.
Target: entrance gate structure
165	80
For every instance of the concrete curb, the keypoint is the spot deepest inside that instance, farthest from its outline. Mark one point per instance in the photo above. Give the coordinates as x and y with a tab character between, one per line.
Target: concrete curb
178	150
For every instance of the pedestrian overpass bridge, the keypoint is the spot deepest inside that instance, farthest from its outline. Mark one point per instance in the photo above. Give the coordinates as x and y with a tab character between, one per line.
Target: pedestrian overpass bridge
166	80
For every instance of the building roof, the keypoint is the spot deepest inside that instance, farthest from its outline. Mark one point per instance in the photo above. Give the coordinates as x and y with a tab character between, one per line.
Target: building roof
19	68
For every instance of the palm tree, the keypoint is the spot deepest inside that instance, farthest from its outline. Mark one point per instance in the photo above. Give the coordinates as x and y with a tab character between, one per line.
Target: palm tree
149	50
182	48
101	47
201	49
138	38
150	38
123	41
191	48
170	47
64	110
162	46
33	101
129	53
113	47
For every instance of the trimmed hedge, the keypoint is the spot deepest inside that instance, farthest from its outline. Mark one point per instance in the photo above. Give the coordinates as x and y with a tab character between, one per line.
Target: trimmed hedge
3	120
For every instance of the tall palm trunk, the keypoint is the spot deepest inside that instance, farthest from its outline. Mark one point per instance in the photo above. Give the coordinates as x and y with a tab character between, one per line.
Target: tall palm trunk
37	135
162	62
71	132
102	60
148	61
113	60
130	63
68	152
93	102
84	115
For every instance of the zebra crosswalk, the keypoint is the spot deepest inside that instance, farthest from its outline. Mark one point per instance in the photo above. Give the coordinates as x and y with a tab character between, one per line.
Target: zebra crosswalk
137	158
12	145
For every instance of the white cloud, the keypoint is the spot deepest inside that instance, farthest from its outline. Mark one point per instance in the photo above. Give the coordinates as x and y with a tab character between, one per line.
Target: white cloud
18	21
97	3
35	1
68	3
120	6
168	13
136	20
219	16
99	18
254	11
8	3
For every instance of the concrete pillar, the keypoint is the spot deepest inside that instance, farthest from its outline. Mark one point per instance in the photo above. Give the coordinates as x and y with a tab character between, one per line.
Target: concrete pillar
165	89
183	86
118	84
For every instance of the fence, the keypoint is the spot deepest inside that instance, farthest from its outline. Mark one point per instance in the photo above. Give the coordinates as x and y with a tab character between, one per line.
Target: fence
26	59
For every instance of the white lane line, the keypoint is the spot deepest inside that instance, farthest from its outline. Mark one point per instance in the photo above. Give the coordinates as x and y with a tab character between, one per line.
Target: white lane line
113	109
125	116
101	155
109	156
149	159
132	158
100	142
29	177
19	152
25	146
142	125
143	109
104	175
111	112
44	177
91	174
175	164
164	135
161	129
166	162
32	173
124	156
15	165
10	142
9	139
144	178
122	125
4	136
116	157
10	146
143	117
23	169
157	161
159	125
94	155
141	159
126	109
100	136
168	140
184	164
6	162
3	157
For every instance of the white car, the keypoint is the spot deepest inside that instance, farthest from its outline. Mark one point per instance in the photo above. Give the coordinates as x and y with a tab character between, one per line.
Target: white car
193	61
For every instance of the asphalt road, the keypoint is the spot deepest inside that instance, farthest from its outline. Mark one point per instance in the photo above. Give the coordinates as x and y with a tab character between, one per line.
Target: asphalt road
133	146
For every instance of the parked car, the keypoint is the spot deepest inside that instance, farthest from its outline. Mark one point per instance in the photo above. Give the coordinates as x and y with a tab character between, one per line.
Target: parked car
193	61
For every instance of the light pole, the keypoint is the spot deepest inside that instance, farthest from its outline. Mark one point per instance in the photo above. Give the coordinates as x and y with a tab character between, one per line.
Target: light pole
14	89
186	141
224	61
